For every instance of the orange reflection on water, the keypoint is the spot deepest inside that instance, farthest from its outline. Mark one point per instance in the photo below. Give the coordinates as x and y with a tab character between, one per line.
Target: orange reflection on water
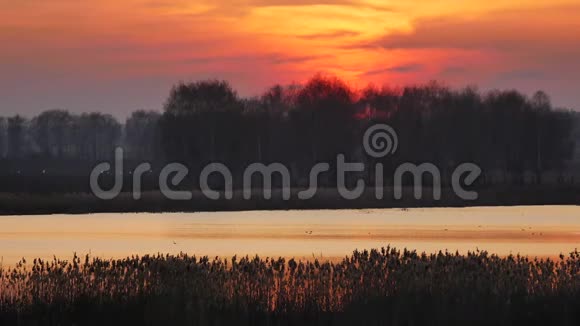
536	231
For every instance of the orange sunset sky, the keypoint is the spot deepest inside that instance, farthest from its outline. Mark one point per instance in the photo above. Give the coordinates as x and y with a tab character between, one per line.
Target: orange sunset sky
117	56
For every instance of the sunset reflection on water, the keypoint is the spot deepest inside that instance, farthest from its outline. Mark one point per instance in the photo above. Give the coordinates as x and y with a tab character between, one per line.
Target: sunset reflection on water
543	231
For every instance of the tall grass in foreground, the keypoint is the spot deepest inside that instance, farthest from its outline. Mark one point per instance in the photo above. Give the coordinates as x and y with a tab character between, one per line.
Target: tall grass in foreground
377	287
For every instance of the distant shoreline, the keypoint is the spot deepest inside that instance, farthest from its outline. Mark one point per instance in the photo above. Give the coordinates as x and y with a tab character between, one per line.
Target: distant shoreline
155	202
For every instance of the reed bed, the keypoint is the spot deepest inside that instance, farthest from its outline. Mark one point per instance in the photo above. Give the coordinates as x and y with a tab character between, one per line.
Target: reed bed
376	287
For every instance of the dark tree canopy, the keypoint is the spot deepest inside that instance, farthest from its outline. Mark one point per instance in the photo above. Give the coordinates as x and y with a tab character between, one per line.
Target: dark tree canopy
503	131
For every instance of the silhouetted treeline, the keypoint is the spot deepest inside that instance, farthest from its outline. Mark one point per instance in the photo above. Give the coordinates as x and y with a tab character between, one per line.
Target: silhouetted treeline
58	134
511	136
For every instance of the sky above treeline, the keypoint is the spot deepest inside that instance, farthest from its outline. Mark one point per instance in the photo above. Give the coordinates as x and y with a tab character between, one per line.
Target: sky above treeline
116	56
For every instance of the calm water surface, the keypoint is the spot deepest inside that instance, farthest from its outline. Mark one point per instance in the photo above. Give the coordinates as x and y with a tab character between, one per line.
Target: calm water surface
330	234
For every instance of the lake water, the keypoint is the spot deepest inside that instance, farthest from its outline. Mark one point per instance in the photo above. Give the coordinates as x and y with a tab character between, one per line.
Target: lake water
544	231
